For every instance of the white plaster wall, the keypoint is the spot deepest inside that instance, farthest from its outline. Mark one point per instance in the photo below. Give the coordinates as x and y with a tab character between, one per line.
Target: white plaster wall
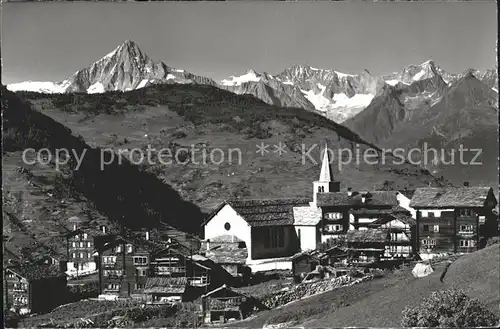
307	237
405	203
394	224
277	265
366	220
325	237
239	227
88	267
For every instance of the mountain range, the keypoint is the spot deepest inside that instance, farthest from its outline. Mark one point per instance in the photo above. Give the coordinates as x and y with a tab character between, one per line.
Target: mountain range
335	95
125	68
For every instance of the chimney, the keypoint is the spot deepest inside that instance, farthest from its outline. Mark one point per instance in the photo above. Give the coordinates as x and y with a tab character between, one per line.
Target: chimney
363	199
74	226
147	235
103	228
208	244
349	191
466	184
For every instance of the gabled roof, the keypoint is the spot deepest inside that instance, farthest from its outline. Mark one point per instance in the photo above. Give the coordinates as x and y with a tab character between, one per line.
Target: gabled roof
372	198
370	235
306	215
165	285
404	218
368	211
225	288
304	254
436	197
335	249
266	212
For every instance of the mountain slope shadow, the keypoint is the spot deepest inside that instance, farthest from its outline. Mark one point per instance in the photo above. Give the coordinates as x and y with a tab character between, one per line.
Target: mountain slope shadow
135	198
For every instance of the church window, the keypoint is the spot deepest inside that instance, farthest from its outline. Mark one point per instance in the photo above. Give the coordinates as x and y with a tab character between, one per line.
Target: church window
227	226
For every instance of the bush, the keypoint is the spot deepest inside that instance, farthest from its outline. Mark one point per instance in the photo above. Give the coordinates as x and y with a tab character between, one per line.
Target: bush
449	308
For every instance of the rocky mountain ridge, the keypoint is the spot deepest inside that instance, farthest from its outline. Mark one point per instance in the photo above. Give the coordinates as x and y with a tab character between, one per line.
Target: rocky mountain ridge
335	95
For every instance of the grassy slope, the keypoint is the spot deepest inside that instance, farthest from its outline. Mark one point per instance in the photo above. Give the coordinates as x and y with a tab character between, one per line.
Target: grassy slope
477	274
379	303
183	115
37	206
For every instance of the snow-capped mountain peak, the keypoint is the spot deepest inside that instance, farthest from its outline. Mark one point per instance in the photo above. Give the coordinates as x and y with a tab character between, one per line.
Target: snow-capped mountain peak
125	68
248	76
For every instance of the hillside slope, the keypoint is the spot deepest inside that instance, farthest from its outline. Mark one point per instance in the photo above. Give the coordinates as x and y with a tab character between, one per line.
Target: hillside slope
477	274
188	120
464	113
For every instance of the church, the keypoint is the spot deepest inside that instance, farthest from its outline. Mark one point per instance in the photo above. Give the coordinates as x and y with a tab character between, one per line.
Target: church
273	230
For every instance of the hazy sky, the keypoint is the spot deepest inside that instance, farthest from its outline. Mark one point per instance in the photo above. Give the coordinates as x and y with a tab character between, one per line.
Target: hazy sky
50	41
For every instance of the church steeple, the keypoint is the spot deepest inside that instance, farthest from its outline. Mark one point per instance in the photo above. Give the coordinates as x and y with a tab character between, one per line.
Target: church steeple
326	171
326	182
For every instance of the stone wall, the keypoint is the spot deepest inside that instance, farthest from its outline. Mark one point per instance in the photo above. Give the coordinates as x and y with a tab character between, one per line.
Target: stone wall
308	289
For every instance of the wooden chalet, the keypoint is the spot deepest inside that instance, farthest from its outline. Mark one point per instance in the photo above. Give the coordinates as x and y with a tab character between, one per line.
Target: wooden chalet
304	263
454	219
123	267
231	254
366	247
223	304
402	235
162	290
174	263
343	211
334	256
27	286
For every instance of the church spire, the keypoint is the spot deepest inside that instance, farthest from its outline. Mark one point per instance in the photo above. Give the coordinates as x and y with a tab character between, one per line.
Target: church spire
326	171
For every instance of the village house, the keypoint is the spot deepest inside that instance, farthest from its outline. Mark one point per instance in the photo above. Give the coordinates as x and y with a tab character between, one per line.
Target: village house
334	256
454	219
304	263
402	230
366	247
27	286
166	289
341	211
80	247
123	268
231	254
224	303
172	262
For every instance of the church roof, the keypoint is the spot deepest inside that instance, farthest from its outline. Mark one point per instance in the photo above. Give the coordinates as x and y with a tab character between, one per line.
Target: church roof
267	212
326	170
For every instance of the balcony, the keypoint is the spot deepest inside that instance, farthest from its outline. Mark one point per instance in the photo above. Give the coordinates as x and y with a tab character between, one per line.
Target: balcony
169	270
198	281
225	304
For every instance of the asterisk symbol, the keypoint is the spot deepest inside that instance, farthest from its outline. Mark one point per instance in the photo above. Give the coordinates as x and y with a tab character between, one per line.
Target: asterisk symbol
280	148
262	148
